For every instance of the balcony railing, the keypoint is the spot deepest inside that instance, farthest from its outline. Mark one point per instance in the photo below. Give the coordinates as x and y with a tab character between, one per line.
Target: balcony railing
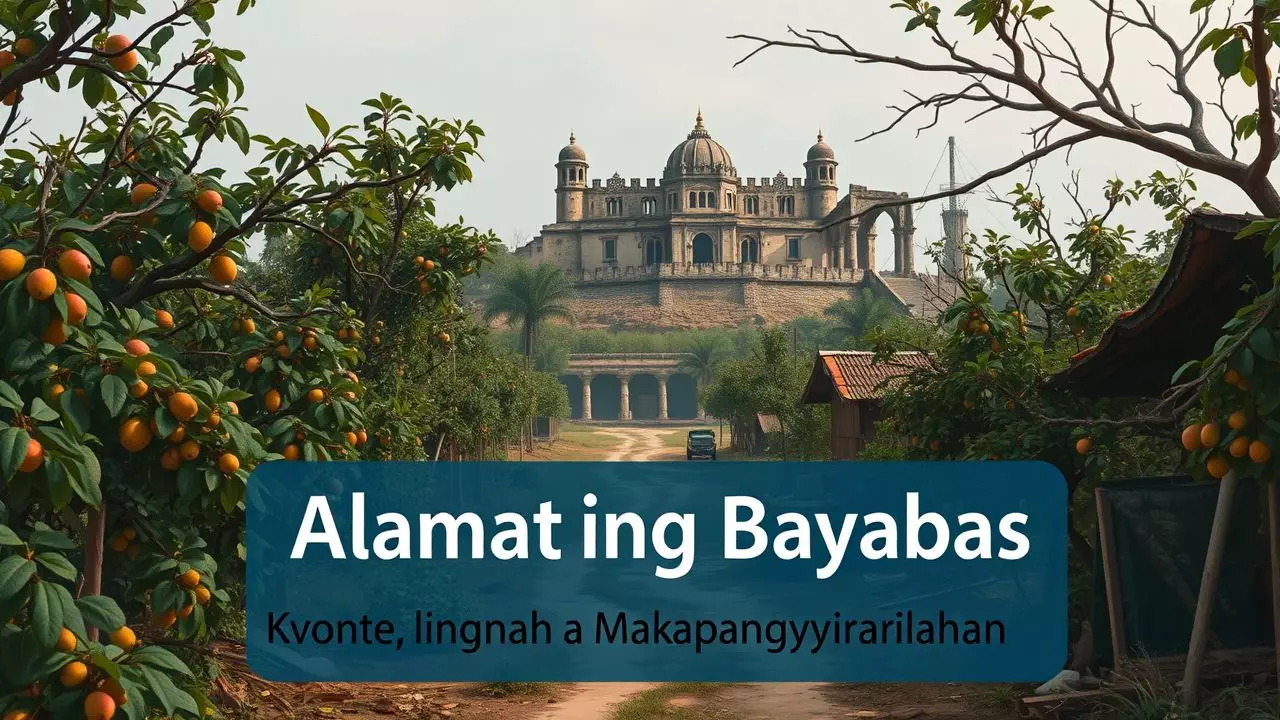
794	272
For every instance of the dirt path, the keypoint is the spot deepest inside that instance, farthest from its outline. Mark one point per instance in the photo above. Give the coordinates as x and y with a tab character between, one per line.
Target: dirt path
781	701
593	701
638	444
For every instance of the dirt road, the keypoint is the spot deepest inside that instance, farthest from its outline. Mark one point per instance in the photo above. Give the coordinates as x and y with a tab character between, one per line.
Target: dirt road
639	444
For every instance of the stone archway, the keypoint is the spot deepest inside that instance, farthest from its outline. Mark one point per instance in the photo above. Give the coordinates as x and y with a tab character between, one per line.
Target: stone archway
682	397
606	397
903	238
653	251
704	249
750	251
644	397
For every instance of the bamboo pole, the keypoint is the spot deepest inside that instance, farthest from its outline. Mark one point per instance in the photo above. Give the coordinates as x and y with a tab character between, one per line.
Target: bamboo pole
1111	577
1208	590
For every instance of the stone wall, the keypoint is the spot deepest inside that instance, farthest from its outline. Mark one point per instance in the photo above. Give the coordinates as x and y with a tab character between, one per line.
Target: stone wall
701	303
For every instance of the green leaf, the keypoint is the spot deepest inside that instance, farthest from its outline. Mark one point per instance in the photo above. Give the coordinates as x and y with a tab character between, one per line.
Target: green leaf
46	615
158	657
57	565
1264	345
15	571
114	394
1229	57
13	450
321	124
9	537
167	596
102	612
47	539
41	411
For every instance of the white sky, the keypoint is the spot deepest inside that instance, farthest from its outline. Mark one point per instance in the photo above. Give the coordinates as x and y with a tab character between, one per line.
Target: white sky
629	77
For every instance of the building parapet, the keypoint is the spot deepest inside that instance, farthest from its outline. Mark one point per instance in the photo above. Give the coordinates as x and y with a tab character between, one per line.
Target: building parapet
801	273
776	183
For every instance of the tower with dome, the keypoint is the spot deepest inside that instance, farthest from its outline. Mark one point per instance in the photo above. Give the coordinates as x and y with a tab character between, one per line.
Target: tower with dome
702	219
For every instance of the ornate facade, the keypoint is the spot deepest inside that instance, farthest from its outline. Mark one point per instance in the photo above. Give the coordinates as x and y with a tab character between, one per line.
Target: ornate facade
702	213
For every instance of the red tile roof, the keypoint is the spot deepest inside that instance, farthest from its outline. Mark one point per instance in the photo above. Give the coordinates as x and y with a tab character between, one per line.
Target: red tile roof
857	375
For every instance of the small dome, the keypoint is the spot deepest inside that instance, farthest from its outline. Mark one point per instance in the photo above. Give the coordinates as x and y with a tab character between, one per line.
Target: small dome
700	155
573	151
821	150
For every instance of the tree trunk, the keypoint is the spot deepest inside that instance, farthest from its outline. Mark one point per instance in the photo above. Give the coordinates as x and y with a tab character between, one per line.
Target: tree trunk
95	539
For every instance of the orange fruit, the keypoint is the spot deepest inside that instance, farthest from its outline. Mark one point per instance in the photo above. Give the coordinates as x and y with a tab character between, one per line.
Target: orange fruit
99	706
283	351
1259	452
122	268
146	368
164	319
66	641
137	348
116	44
271	401
209	201
11	264
233	408
165	619
1239	447
139	389
310	342
183	406
1210	435
73	673
178	435
186	611
142	192
123	638
119	544
252	363
127	62
77	309
203	595
6	59
56	391
199	236
75	265
228	463
189	449
33	458
1218	466
189	579
1238	420
25	47
278	336
55	333
112	687
223	270
250	327
362	437
135	436
41	283
351	438
315	395
170	459
291	452
1084	445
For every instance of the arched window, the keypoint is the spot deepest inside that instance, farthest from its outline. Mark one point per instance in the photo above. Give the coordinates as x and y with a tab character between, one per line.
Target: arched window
711	199
648	206
750	250
751	205
693	199
729	201
702	199
822	172
613	206
786	205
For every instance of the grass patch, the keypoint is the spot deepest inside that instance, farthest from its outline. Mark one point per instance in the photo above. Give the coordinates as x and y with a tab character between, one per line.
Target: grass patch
514	689
657	703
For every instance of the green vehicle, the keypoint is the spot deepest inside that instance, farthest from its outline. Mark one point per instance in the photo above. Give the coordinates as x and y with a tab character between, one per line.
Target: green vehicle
701	445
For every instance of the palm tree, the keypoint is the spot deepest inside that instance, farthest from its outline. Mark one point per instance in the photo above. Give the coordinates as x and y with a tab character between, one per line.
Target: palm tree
528	295
703	354
857	317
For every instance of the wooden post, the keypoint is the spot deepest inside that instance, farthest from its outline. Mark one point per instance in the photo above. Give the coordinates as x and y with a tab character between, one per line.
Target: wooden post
1273	512
1208	590
1111	577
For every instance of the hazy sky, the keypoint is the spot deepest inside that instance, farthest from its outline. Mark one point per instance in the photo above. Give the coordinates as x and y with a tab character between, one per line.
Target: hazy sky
628	78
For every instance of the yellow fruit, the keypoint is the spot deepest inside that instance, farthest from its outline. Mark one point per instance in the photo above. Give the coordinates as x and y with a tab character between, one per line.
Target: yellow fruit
249	326
223	270
41	283
271	401
99	706
135	436
123	638
203	595
139	389
75	265
199	236
146	368
11	264
315	395
142	192
189	579
1259	452
122	268
228	463
66	641
73	673
1210	435
183	406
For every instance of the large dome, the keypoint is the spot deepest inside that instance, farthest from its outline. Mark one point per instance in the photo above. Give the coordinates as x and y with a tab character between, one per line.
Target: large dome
573	151
821	150
700	155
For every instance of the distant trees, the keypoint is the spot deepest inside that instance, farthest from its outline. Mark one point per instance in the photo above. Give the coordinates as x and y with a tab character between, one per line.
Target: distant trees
854	319
529	295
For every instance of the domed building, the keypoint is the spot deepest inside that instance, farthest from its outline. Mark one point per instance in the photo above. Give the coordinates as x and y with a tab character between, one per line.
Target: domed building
701	216
702	246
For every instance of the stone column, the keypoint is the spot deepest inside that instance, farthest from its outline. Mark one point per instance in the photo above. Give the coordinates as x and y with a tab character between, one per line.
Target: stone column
624	411
909	251
662	397
586	396
899	253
